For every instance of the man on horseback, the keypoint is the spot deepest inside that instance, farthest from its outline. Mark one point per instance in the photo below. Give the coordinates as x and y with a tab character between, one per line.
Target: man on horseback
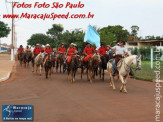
36	50
61	50
47	51
120	51
20	50
71	51
88	52
103	49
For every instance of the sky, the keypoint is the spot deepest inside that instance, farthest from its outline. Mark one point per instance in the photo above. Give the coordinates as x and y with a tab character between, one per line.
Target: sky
147	14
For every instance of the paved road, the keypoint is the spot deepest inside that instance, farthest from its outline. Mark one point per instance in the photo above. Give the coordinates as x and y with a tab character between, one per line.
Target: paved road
57	100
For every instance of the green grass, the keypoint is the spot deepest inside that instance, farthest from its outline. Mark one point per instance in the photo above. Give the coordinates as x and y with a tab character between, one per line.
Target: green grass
146	73
4	53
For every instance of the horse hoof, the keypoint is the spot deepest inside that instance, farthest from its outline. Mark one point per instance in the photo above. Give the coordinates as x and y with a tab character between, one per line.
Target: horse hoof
71	81
125	91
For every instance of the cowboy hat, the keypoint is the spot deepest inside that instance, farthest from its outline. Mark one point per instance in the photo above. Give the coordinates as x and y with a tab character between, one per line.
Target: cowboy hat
47	45
37	44
72	44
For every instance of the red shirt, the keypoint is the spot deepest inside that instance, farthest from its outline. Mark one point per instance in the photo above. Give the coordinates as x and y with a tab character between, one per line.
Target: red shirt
102	51
71	51
36	51
48	50
20	49
89	51
41	49
62	49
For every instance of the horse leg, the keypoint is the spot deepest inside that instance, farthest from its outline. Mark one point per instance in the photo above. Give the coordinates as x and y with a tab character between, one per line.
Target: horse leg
112	81
103	74
68	72
122	86
74	75
100	72
57	66
40	70
90	75
125	79
60	67
81	73
87	74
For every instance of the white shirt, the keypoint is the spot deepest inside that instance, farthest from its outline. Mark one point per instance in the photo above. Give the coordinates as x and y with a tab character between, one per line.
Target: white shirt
119	50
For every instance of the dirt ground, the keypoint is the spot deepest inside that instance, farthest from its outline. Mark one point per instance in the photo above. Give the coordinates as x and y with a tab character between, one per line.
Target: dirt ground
57	100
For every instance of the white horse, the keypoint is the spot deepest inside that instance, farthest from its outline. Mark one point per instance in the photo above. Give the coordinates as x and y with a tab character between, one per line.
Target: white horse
124	67
38	62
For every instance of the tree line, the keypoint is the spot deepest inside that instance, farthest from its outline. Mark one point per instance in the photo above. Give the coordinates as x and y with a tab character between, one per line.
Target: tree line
56	35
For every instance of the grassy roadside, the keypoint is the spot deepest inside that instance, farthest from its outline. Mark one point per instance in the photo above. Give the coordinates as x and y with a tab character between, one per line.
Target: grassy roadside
146	73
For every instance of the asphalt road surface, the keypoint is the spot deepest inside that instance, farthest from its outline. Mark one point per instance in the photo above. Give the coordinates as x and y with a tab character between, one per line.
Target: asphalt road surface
57	100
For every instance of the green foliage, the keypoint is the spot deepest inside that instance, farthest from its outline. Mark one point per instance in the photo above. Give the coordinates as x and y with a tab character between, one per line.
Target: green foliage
55	33
145	52
113	33
134	30
4	29
41	39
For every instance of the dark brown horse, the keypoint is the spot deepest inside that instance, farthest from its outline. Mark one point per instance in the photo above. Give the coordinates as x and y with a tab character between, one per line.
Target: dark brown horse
72	67
48	65
59	62
103	64
20	57
91	66
27	58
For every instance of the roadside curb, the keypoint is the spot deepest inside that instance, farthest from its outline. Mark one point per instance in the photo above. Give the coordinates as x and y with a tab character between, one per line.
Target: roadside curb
6	77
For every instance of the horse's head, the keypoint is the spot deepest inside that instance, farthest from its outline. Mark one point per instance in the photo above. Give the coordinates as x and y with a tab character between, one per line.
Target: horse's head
137	62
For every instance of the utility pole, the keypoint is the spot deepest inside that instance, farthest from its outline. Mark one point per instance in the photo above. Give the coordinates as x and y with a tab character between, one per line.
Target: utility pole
12	35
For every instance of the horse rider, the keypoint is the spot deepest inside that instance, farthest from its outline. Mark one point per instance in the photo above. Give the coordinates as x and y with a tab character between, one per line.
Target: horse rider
103	49
61	50
88	52
120	51
47	51
36	50
20	50
71	51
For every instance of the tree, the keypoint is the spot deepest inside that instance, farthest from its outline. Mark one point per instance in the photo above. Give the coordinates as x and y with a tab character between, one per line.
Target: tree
4	29
55	33
76	36
113	33
134	31
40	38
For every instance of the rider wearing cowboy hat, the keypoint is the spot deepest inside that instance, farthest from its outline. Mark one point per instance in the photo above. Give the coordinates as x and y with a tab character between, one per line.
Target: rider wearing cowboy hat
71	51
88	49
119	51
48	49
36	50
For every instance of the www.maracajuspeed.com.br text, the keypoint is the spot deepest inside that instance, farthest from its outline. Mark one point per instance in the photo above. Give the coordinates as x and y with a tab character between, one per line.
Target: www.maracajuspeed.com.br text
52	16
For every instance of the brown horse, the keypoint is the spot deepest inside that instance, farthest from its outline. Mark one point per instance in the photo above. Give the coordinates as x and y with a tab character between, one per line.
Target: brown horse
59	61
72	67
91	67
48	65
27	58
20	57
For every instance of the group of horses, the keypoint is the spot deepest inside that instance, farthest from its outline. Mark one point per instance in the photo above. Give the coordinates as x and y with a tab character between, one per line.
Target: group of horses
95	65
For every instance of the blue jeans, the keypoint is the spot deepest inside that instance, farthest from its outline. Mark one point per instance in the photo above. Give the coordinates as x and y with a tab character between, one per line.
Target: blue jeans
113	66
